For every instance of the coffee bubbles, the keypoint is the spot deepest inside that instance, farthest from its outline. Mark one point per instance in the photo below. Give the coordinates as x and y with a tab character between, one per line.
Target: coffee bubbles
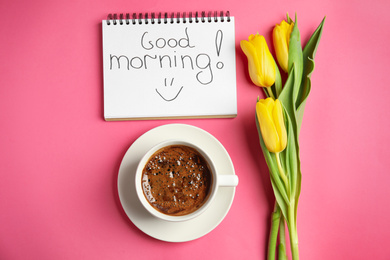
176	180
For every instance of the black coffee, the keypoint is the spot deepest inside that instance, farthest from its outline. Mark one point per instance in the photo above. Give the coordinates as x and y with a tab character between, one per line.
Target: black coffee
176	180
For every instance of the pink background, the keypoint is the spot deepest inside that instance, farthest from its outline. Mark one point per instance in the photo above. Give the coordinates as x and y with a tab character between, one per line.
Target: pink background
60	159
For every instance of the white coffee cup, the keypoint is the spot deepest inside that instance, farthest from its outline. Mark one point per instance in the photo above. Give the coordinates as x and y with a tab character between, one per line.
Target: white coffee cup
218	180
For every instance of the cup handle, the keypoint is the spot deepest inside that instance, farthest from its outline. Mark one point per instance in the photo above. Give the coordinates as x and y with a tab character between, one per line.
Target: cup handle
227	180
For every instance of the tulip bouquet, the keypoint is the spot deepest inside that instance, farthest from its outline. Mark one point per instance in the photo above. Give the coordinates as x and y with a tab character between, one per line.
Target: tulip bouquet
279	119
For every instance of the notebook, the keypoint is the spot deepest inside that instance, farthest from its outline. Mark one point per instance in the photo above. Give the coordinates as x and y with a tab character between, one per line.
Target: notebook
160	66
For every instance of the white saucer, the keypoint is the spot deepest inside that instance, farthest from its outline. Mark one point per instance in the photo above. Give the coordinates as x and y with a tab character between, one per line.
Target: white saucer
174	231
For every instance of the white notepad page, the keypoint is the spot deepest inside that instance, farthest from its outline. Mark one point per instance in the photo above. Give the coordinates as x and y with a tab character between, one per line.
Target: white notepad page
169	68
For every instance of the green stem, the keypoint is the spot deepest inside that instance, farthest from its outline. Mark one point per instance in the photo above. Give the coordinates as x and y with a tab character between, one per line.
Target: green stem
293	231
282	240
282	174
273	236
270	93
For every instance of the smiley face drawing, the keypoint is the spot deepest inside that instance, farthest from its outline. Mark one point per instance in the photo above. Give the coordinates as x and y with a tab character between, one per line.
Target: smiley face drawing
164	93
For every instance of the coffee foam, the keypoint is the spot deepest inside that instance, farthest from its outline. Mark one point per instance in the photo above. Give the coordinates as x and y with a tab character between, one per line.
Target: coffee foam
176	180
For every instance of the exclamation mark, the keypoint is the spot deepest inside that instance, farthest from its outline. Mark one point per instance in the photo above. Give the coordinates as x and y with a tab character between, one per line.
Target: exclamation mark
218	45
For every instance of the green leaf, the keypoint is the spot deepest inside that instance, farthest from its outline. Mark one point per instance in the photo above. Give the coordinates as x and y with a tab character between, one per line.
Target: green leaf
277	185
295	57
298	189
286	97
288	18
308	65
290	155
279	199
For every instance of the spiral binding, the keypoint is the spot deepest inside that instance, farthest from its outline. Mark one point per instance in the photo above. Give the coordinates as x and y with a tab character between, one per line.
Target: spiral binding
166	18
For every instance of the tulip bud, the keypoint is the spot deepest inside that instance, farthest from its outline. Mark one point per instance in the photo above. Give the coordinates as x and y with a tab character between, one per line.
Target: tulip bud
281	37
261	64
270	116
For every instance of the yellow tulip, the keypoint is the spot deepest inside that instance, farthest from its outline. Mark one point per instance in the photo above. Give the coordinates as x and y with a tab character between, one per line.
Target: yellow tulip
270	116
281	38
261	64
